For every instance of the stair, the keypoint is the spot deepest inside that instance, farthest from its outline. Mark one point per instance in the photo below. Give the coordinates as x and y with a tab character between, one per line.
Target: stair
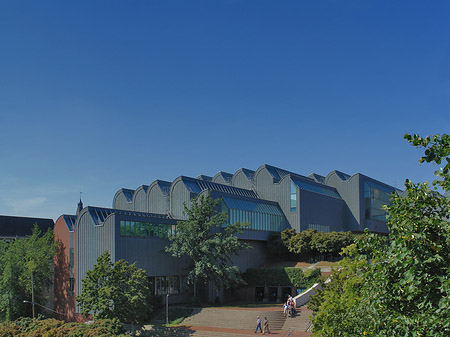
234	318
299	323
235	322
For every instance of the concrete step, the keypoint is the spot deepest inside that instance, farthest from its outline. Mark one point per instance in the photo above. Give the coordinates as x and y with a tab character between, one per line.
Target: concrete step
235	318
299	323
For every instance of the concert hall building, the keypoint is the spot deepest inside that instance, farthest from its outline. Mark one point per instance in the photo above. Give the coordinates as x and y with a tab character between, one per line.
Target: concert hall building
270	199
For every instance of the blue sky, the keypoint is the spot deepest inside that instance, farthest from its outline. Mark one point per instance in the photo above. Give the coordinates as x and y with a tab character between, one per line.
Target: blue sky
99	95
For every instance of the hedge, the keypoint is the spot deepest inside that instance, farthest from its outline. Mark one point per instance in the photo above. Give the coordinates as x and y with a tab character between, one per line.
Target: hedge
285	277
27	327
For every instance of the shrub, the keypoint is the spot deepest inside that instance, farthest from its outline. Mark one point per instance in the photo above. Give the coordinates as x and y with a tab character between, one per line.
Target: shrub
26	327
288	277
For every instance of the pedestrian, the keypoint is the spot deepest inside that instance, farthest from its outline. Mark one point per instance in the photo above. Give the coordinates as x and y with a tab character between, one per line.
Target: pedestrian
266	326
258	324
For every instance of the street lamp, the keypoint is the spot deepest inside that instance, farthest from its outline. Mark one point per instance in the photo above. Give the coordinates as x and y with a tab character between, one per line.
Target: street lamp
167	309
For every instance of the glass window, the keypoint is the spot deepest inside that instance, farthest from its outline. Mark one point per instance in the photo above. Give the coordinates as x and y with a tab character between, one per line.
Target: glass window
374	200
71	285
293	197
146	229
122	228
71	258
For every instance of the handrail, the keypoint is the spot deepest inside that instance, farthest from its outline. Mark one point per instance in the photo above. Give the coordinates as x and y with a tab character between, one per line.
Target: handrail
289	332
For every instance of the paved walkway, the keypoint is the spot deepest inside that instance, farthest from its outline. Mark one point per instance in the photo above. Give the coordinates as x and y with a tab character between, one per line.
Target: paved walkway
237	322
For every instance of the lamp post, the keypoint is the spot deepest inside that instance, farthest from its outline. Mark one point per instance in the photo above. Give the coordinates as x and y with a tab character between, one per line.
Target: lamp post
32	293
167	308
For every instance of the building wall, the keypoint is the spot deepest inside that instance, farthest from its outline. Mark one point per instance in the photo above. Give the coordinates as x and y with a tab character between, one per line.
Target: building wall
140	199
351	192
157	201
148	252
252	258
121	202
240	179
318	209
91	241
179	196
221	179
64	301
279	192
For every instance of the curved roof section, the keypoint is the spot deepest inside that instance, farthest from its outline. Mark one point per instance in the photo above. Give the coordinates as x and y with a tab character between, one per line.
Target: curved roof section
197	186
343	176
226	176
128	194
249	174
317	178
142	187
276	172
99	214
70	221
164	186
203	177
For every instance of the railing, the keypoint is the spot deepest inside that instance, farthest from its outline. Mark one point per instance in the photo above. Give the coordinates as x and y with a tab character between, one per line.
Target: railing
289	332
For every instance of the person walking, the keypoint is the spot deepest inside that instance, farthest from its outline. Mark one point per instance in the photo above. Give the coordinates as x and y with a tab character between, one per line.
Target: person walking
258	324
266	326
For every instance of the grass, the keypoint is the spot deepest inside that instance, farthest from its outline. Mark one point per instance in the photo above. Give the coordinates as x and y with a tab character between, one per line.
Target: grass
328	264
177	314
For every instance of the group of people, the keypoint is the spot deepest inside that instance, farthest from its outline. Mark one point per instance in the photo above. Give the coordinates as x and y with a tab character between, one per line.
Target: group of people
289	307
265	326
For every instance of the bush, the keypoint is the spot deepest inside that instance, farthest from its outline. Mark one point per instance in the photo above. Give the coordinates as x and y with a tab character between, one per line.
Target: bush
26	327
287	277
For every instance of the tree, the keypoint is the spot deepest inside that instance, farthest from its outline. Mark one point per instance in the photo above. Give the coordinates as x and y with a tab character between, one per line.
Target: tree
25	268
209	243
405	288
308	243
277	245
335	308
300	243
115	290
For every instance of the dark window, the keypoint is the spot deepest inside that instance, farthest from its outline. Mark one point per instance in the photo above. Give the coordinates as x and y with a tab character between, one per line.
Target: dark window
71	258
71	285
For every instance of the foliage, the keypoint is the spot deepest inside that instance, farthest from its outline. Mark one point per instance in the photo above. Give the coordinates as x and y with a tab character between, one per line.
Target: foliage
335	308
403	289
309	243
289	277
115	290
437	149
176	314
277	245
208	244
22	260
54	328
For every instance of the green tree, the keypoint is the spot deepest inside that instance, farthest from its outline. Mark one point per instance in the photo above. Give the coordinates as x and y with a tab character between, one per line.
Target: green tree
209	243
337	309
278	242
300	243
115	290
25	268
405	288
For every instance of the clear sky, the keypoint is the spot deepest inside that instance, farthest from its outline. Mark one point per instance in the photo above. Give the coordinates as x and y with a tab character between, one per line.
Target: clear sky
100	95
